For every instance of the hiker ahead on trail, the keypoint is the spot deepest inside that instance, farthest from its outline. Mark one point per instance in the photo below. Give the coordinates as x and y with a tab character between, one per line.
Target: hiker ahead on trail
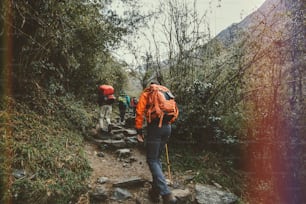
157	105
123	104
105	100
134	102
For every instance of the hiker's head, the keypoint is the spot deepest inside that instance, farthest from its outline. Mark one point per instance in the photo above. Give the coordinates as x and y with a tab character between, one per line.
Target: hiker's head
153	82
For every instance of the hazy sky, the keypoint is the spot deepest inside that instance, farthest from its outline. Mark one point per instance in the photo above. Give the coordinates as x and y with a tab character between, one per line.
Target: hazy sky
230	11
220	13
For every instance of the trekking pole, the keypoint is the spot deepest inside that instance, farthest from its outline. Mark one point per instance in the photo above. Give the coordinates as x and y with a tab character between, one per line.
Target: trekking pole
168	164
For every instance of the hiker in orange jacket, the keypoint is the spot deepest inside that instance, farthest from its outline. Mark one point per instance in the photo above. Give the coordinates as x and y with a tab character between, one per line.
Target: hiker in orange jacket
155	143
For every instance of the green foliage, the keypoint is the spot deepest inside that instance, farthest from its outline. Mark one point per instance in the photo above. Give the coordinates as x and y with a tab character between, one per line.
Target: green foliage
110	72
254	100
210	124
5	157
60	53
75	112
50	153
210	97
58	45
205	167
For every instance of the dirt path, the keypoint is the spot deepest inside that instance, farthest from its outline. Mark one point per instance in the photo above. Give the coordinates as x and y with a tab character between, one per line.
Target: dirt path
111	167
114	169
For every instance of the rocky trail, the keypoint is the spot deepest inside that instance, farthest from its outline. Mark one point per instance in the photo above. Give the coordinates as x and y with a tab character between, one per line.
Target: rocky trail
120	173
110	171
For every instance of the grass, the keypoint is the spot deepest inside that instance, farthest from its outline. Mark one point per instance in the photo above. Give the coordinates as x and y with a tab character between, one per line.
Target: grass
206	167
49	152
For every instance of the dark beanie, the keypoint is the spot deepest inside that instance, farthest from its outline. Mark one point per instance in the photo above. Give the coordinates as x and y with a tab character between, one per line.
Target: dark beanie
154	82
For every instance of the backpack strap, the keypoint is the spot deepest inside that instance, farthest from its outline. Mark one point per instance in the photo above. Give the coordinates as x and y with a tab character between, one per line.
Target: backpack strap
161	120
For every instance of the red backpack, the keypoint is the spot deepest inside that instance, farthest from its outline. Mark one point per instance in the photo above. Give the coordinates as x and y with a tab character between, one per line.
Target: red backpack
106	89
161	104
106	94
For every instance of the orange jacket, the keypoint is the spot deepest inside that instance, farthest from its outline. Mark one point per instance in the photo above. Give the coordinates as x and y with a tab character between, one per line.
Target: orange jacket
141	109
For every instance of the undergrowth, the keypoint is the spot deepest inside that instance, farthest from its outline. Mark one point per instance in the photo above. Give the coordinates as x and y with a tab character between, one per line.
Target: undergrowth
205	167
43	154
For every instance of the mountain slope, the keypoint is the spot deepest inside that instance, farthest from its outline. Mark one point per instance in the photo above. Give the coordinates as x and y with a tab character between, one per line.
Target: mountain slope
268	14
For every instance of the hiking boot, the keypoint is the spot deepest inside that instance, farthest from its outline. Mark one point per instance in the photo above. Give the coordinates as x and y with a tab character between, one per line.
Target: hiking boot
169	199
154	196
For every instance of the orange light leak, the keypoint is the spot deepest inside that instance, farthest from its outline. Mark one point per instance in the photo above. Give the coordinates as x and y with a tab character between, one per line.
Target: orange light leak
274	153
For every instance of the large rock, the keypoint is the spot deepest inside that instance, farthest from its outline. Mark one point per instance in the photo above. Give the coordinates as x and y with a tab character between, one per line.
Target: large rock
114	143
206	194
183	195
121	194
123	153
99	194
130	183
130	132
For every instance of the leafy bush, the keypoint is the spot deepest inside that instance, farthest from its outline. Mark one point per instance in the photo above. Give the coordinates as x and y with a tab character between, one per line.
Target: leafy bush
75	112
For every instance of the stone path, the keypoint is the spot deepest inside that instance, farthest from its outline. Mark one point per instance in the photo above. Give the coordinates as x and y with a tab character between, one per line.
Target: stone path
121	175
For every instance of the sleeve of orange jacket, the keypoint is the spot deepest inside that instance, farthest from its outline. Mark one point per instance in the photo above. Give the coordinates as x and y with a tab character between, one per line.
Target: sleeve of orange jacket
174	118
140	110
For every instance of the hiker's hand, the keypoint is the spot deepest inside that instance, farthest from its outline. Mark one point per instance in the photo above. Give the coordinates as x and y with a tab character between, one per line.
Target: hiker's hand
140	138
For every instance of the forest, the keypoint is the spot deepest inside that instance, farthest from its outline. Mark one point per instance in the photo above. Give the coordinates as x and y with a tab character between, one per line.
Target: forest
241	94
